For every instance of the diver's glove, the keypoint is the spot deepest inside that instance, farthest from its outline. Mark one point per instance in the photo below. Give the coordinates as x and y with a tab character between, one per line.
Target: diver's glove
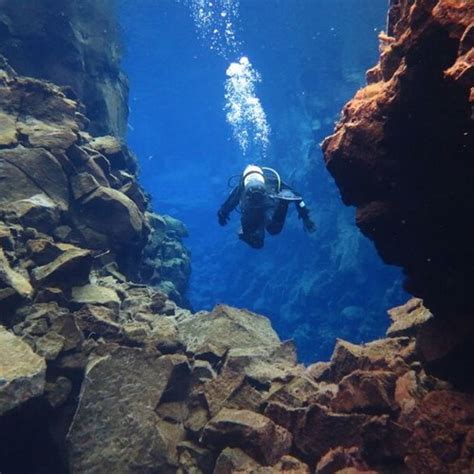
309	224
223	218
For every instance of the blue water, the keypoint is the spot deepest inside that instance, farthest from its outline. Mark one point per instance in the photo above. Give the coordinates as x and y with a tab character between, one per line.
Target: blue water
312	56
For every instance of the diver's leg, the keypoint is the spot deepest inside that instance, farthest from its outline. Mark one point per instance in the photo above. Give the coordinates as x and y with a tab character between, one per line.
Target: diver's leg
277	220
254	239
253	231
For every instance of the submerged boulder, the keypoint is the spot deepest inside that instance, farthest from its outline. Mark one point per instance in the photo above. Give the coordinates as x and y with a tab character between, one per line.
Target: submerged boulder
408	319
443	434
119	393
95	295
255	434
38	211
27	172
111	213
225	328
11	278
22	372
72	266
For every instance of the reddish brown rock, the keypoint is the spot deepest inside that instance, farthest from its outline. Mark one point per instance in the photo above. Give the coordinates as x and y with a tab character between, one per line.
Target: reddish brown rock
380	354
408	318
312	425
255	434
365	392
408	392
442	439
339	459
219	390
320	371
402	151
385	443
445	346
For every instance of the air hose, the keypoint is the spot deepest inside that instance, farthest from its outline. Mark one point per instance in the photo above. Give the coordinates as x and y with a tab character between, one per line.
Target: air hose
271	170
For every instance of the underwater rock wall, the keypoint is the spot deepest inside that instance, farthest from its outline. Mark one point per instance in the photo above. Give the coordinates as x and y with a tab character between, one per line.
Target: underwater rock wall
402	154
78	241
72	43
68	197
402	151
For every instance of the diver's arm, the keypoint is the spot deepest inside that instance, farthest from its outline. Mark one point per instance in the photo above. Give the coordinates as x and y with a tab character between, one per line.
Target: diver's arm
284	185
229	205
303	213
302	209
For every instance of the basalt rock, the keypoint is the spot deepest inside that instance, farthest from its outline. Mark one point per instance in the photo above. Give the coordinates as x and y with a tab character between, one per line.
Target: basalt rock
365	392
233	460
22	372
402	151
408	319
120	392
442	436
16	281
77	189
166	262
242	328
74	45
253	433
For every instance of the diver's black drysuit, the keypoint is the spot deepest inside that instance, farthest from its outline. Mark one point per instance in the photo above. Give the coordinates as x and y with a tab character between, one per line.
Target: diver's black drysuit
263	206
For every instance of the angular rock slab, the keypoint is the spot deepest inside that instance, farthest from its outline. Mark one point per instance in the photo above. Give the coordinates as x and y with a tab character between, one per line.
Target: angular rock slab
110	212
442	439
369	392
72	266
13	279
22	372
27	172
255	434
96	295
233	460
316	430
115	428
408	318
226	327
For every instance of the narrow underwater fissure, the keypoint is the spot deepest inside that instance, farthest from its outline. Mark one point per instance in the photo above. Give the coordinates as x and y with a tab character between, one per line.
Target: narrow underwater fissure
311	57
100	371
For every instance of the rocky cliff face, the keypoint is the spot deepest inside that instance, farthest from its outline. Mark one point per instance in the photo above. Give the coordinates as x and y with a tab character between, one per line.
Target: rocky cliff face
402	154
71	43
68	197
75	231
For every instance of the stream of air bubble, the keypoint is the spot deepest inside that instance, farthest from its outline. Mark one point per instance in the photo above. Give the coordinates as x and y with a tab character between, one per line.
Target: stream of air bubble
215	22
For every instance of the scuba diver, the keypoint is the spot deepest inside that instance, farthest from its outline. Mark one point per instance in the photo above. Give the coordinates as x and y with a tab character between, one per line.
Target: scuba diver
264	201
